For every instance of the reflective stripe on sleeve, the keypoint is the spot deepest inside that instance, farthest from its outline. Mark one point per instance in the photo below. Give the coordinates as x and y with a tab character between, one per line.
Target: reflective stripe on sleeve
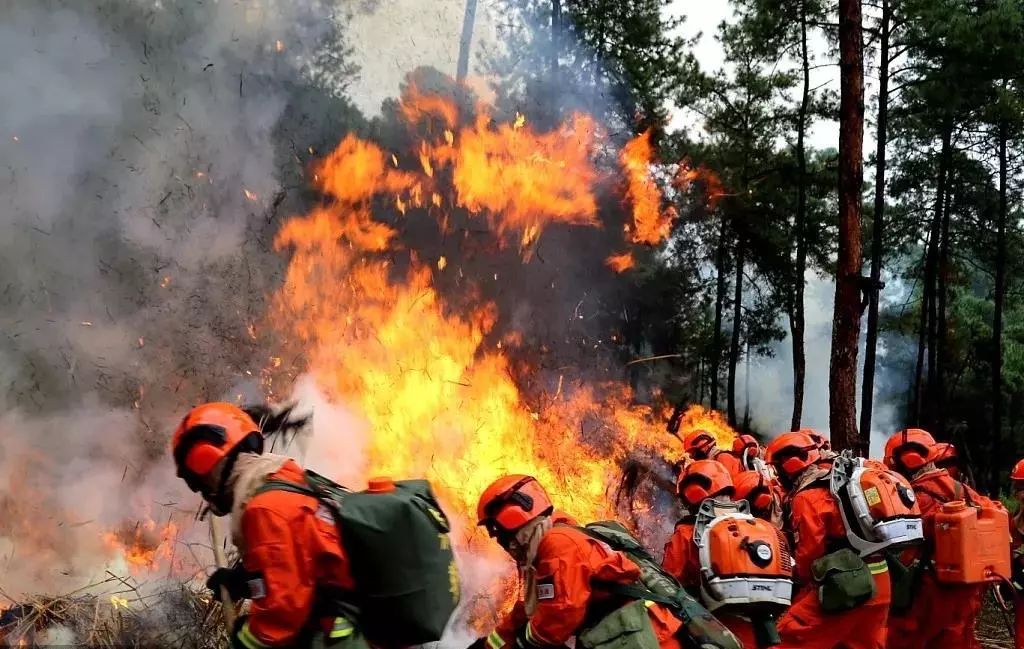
248	640
878	567
494	640
532	639
342	628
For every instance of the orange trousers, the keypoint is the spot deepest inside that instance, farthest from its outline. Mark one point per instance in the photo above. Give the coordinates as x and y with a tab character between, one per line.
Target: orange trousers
806	626
943	617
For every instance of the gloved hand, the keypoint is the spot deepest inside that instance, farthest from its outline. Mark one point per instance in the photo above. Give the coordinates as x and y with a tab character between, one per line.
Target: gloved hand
235	580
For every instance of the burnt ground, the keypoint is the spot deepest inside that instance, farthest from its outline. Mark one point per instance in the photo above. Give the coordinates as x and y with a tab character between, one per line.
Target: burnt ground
992	627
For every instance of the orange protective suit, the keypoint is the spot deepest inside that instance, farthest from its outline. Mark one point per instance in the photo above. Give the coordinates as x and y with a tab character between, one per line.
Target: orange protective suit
729	460
295	550
683	562
817	528
568	563
957	607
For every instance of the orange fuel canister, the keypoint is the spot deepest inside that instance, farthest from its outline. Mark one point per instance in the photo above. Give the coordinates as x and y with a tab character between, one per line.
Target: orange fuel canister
972	544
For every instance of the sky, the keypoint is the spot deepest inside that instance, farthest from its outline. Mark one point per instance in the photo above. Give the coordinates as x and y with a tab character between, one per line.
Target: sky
410	33
703	18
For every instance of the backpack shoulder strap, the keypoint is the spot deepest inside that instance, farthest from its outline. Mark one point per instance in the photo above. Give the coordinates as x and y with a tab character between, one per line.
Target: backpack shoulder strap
637	591
959	493
284	485
632	548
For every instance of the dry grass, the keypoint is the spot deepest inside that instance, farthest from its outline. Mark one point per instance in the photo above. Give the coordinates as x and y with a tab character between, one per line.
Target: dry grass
176	616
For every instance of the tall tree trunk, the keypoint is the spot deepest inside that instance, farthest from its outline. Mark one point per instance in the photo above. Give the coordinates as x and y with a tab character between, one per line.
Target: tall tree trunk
931	271
922	345
997	318
942	323
466	41
796	320
701	380
737	329
716	345
867	392
846	318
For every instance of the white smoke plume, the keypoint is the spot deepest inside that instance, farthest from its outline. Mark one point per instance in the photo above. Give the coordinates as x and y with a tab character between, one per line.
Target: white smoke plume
770	384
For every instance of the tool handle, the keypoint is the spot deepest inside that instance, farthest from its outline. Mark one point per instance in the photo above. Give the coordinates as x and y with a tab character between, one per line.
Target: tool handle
227	605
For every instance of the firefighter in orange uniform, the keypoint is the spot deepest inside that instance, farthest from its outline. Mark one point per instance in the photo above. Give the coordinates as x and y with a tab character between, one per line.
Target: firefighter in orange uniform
946	457
290	550
1017	534
764	496
698	481
911	452
560	566
817	528
701	445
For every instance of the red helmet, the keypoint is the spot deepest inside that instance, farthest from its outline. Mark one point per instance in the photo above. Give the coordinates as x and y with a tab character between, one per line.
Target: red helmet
1018	471
752	487
699	444
791	453
703	479
744	442
511	502
909	450
822	441
208	434
945	454
946	457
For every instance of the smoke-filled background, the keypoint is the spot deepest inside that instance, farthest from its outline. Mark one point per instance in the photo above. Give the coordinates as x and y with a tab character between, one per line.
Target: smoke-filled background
151	151
142	149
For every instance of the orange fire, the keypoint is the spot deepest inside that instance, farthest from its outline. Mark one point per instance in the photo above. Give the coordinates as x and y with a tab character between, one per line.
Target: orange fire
687	174
620	263
651	224
145	546
439	397
711	421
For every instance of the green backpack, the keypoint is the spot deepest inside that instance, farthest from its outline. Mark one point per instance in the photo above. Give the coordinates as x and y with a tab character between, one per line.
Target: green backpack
400	555
655	585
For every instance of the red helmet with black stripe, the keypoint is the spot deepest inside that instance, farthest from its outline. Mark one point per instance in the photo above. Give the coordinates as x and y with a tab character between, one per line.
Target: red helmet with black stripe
909	450
791	453
511	502
698	444
703	479
208	434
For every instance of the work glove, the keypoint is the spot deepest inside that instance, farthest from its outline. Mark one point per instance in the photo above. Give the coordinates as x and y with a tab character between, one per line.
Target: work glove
235	580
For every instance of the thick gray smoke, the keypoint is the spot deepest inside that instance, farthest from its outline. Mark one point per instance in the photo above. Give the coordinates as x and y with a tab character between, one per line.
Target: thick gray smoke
140	142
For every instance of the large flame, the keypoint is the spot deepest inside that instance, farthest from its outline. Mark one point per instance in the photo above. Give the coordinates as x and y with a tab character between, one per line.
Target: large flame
440	400
651	224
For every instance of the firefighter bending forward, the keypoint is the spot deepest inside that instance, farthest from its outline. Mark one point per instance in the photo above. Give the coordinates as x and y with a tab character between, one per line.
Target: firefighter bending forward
561	568
817	528
911	452
700	480
290	548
